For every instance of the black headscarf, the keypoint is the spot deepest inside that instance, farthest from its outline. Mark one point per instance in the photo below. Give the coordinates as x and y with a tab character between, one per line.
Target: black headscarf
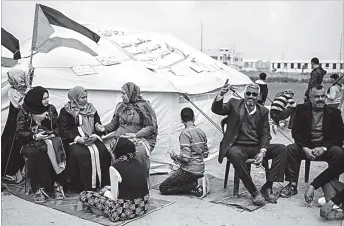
125	149
33	100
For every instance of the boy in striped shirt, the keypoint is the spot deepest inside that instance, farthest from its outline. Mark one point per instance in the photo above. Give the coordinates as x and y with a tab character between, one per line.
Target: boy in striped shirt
283	106
193	150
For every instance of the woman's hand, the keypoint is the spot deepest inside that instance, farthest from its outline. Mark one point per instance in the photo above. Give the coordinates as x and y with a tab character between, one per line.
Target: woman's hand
100	128
41	136
81	140
90	140
129	135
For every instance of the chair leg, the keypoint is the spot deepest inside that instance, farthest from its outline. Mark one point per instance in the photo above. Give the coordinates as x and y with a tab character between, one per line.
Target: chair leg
236	184
307	169
26	178
226	174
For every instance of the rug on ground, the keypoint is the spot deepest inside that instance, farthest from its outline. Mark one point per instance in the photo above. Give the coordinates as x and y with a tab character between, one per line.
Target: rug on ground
71	205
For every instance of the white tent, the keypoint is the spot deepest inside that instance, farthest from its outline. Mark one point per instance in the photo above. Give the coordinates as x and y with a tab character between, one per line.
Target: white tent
174	68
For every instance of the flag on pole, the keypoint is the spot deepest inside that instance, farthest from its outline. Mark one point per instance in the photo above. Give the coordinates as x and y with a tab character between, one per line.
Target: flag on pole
52	29
11	43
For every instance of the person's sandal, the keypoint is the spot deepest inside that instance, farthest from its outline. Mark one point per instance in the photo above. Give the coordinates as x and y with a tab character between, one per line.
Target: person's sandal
288	191
335	214
59	194
198	191
40	196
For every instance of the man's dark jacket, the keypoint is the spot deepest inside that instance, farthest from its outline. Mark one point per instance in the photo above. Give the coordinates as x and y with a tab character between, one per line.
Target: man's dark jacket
235	110
333	128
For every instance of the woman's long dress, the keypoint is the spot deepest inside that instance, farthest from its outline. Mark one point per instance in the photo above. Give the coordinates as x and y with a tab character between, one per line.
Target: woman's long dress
10	147
133	194
40	168
129	122
88	167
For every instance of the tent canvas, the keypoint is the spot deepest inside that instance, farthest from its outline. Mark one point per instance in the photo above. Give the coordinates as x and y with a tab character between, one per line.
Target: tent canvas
198	75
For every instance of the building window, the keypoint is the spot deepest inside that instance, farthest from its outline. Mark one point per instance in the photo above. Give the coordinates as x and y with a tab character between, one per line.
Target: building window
342	66
214	57
327	65
278	65
273	65
305	66
220	57
334	66
298	65
285	65
292	65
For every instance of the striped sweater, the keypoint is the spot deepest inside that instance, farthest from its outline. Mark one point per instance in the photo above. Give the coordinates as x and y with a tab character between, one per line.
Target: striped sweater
280	103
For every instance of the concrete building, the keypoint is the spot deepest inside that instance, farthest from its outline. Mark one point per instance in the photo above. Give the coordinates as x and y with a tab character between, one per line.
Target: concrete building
304	66
227	56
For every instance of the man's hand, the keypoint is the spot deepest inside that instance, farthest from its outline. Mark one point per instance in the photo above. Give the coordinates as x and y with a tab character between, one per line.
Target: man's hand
309	154
309	194
259	158
319	151
225	88
326	209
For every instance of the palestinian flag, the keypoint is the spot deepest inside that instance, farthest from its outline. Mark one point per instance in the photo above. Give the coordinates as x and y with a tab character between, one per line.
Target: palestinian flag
52	29
11	44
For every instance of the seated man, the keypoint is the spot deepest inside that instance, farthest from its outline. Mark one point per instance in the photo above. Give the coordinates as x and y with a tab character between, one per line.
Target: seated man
283	106
333	191
248	136
193	150
318	134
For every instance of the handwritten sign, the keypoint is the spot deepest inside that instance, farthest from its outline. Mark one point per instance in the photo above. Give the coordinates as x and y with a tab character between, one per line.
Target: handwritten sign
84	70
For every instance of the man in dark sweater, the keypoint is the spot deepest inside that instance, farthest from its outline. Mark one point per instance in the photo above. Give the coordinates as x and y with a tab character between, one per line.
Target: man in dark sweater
317	76
248	137
263	94
318	133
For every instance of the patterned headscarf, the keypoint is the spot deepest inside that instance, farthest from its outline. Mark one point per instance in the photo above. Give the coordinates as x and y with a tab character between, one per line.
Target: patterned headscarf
87	111
18	80
33	100
141	106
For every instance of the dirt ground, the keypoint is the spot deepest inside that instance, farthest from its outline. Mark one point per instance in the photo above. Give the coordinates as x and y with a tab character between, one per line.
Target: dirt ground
186	210
190	211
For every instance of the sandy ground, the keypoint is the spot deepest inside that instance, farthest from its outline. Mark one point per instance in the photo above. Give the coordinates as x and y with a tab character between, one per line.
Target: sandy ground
185	210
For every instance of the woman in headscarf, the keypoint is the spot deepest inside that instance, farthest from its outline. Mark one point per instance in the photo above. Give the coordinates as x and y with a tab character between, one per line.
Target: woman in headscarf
131	183
88	158
135	119
38	131
11	160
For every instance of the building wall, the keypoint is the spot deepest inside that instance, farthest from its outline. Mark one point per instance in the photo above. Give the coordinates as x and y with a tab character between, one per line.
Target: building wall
305	67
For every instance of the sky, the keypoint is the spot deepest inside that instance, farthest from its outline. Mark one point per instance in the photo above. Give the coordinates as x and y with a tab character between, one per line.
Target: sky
269	30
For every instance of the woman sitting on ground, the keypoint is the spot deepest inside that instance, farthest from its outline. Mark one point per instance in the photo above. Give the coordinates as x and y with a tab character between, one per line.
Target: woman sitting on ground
135	119
11	160
133	194
38	131
88	158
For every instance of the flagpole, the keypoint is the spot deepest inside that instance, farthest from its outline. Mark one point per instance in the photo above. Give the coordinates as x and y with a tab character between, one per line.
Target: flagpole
31	69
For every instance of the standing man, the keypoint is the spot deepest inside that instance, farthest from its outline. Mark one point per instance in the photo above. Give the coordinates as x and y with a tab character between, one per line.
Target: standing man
335	92
263	94
248	137
318	132
317	76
